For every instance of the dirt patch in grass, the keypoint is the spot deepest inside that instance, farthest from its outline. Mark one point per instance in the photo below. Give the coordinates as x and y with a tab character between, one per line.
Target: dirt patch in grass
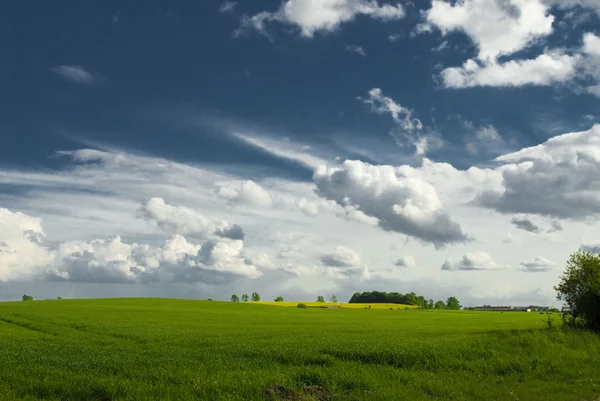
308	393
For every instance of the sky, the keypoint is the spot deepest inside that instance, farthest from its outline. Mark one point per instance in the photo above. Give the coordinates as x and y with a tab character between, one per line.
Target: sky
298	148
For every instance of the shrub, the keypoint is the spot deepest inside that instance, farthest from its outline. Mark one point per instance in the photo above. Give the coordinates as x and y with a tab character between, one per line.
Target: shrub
302	306
27	297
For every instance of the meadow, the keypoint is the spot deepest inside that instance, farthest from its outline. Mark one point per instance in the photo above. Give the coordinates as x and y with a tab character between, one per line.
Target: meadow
159	349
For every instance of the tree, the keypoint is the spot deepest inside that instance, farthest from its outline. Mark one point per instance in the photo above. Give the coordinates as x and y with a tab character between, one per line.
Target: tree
255	297
245	298
27	297
333	299
579	288
234	298
440	305
430	304
279	299
453	304
320	298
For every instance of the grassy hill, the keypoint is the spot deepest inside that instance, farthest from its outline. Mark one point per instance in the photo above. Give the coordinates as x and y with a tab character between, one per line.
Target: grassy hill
158	349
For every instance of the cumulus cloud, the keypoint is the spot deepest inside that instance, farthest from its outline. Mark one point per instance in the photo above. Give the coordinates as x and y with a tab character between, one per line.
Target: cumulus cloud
75	74
177	220
312	16
409	129
347	212
113	261
497	27
400	201
537	265
408	262
22	249
472	261
341	257
24	254
248	193
261	260
505	27
186	221
545	69
559	178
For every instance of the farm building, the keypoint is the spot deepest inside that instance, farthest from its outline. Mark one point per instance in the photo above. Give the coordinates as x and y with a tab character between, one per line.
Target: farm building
490	308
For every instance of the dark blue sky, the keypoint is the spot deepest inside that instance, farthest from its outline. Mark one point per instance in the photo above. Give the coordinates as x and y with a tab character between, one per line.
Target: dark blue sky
164	72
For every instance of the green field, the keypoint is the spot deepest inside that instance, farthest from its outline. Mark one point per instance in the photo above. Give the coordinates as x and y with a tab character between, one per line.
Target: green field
156	349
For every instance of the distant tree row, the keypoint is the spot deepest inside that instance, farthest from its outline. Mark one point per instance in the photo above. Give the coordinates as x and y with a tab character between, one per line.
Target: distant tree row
333	299
255	297
377	297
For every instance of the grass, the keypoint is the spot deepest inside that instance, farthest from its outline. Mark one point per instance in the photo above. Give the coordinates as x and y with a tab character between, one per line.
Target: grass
339	305
156	349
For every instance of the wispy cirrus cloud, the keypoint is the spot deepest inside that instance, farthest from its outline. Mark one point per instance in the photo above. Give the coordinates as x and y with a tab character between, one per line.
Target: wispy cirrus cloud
75	74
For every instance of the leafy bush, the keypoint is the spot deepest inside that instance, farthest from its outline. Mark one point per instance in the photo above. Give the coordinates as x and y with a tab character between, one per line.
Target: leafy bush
302	306
580	289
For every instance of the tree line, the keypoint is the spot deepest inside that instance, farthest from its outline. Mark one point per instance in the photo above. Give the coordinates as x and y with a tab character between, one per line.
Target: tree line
378	297
255	297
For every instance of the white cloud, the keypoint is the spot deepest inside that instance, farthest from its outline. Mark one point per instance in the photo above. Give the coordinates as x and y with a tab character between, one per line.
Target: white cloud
591	44
312	16
409	129
261	260
488	133
394	37
341	257
386	105
249	193
497	27
25	254
21	245
400	201
227	6
112	261
408	262
559	178
177	220
97	196
74	73
347	212
472	261
288	151
357	49
546	69
186	221
537	265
